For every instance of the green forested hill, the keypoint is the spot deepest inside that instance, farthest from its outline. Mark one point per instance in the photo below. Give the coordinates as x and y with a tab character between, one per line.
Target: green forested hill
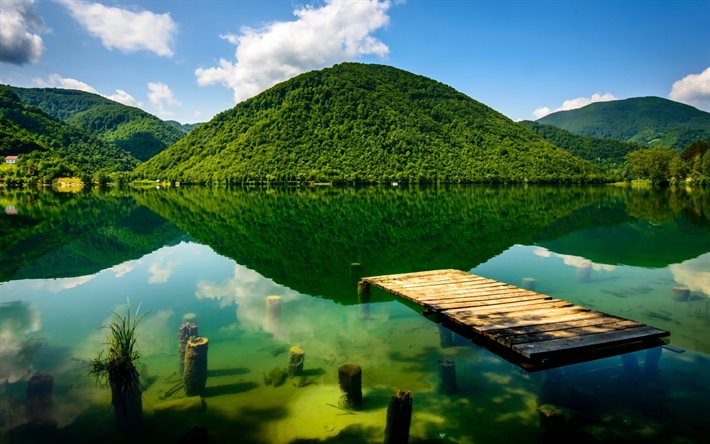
138	132
607	153
650	121
28	130
363	123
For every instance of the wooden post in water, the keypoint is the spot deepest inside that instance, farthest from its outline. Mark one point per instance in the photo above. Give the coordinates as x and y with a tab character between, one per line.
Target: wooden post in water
296	357
185	332
350	382
446	337
681	294
272	322
38	400
195	376
399	418
529	283
363	298
447	376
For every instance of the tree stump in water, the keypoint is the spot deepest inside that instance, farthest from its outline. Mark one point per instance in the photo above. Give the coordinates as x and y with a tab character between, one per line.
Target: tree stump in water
185	332
529	283
681	294
296	357
38	400
195	376
399	418
350	382
272	322
447	376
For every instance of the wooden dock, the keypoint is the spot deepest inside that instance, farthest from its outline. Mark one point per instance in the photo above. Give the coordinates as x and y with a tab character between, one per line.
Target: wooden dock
533	326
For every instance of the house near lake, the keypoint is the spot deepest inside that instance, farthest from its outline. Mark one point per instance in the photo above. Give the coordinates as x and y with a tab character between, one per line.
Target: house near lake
11	159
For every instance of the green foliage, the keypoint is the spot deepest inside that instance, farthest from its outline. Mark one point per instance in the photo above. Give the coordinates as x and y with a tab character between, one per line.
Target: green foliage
606	153
650	121
50	148
363	123
653	164
132	129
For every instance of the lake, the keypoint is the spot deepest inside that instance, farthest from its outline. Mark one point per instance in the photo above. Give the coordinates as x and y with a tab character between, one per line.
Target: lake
69	260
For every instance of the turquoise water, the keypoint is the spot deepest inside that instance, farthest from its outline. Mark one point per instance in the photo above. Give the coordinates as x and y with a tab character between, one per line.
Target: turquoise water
69	261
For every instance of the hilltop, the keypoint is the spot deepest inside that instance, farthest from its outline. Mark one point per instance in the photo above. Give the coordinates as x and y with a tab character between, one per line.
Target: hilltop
650	121
132	129
363	123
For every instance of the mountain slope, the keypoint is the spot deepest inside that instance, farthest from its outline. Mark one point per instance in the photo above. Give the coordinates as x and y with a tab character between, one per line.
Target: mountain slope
650	121
363	123
138	132
25	129
606	153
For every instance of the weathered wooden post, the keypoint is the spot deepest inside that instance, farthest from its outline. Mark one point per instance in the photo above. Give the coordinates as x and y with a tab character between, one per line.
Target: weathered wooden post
296	357
38	400
529	283
356	271
681	294
584	271
553	421
447	376
185	332
363	298
399	418
446	337
350	382
195	376
272	322
189	317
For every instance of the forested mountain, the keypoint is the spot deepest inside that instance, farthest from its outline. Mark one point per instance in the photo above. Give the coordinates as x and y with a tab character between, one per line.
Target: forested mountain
363	123
607	153
52	145
650	121
138	132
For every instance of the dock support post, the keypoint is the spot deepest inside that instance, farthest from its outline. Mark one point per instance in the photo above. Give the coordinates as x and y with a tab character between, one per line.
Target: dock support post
529	283
446	337
185	332
447	376
350	382
195	376
399	418
296	357
272	322
38	400
363	298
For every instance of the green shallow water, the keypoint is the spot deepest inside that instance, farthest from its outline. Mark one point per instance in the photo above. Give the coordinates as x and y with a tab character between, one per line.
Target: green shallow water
68	261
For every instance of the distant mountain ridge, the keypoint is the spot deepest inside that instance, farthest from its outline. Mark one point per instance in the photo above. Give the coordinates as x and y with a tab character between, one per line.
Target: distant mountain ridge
650	121
363	123
132	129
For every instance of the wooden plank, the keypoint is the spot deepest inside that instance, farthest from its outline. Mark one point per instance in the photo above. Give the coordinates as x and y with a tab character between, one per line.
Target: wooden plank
446	287
540	349
562	315
540	328
567	333
479	302
425	297
504	297
481	325
430	282
511	306
412	274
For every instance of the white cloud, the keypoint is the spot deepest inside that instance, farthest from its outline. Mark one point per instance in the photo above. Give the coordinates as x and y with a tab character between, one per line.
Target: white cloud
694	273
122	96
577	102
574	261
160	96
319	37
159	272
20	26
123	269
693	89
57	285
123	29
57	81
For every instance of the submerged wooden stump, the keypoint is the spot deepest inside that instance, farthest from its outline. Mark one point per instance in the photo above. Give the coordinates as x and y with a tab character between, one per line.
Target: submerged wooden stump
529	283
399	418
363	298
127	401
553	422
272	322
681	294
185	332
38	401
350	382
195	376
296	357
447	376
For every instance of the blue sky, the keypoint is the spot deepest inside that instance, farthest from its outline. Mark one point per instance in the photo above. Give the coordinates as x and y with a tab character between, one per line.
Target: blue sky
188	60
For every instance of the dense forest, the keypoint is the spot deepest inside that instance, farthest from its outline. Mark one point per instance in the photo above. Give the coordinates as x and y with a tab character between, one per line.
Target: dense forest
50	148
360	123
663	165
132	129
649	121
607	153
